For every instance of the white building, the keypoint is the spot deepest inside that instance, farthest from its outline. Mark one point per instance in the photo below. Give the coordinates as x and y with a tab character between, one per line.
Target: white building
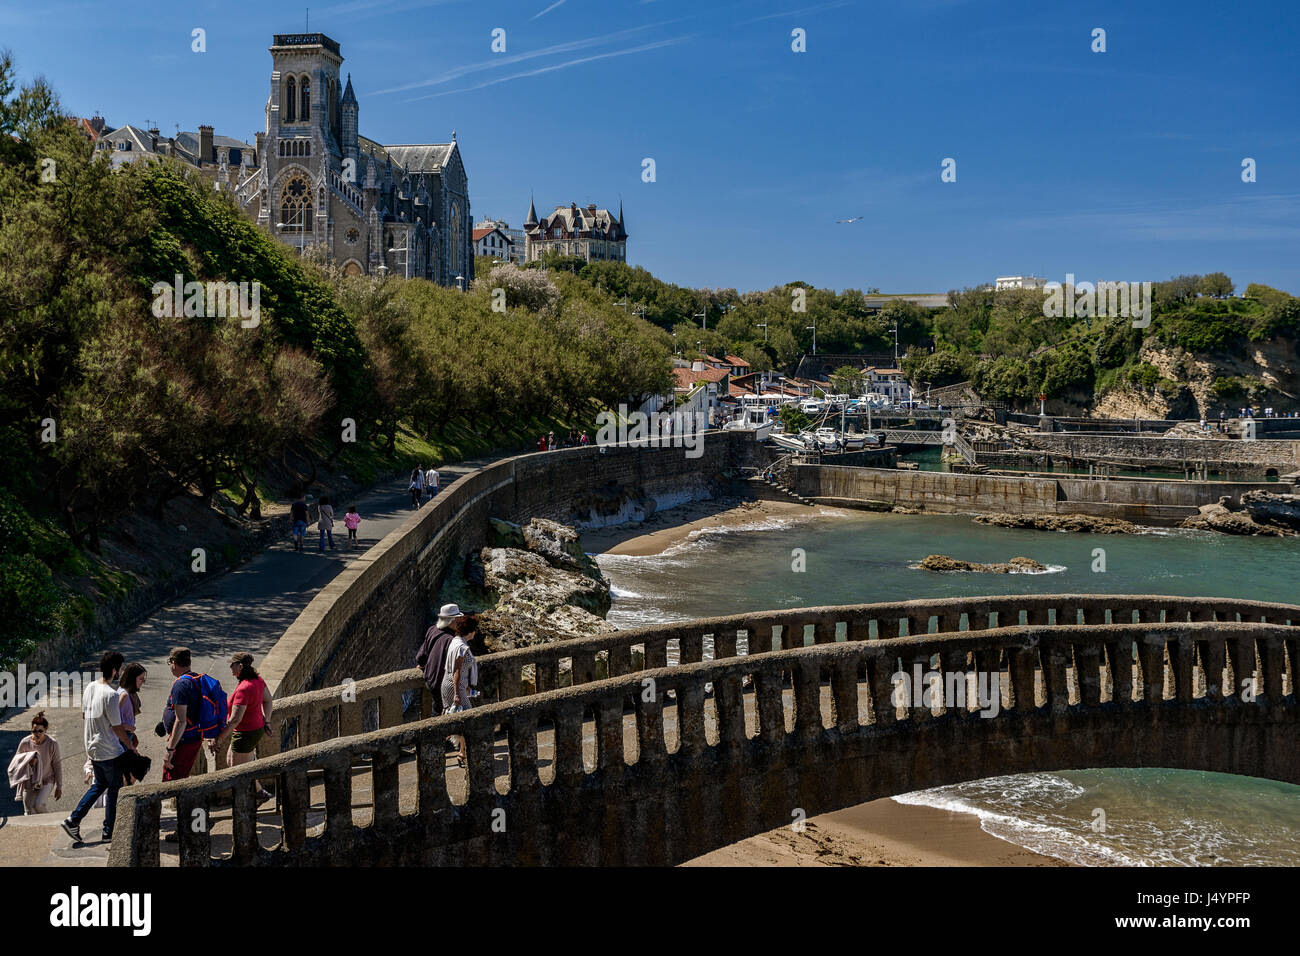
890	383
491	241
516	237
1019	282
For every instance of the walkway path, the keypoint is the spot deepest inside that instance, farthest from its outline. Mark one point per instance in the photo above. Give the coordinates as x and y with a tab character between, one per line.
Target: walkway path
246	609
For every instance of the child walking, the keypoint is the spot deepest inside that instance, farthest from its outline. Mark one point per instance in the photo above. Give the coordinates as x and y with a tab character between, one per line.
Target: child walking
350	521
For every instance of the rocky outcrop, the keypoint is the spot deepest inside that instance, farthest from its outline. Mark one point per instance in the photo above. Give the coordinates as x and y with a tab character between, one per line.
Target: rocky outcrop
1084	523
538	584
1265	507
941	562
1220	517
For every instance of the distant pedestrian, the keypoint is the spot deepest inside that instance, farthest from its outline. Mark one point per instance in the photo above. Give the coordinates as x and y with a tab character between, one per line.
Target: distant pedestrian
298	515
248	716
541	443
550	441
105	742
573	438
36	771
183	717
352	521
416	487
431	482
325	523
584	440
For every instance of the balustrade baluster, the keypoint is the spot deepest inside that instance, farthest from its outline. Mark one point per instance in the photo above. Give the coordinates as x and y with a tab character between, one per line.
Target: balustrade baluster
1057	658
1021	662
383	783
295	799
953	661
858	629
569	767
431	769
547	674
338	796
620	660
523	752
584	667
690	718
243	823
724	643
1212	660
1151	655
656	652
771	710
1119	668
609	736
844	694
728	695
194	828
880	671
692	647
806	685
1087	671
1271	653
823	632
1241	652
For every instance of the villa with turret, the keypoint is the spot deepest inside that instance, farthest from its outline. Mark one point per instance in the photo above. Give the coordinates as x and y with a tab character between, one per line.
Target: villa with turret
585	231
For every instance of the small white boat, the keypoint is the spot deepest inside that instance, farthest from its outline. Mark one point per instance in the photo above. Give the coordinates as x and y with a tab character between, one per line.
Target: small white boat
754	419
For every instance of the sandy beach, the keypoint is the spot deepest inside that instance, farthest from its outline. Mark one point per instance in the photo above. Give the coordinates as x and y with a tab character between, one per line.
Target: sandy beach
880	833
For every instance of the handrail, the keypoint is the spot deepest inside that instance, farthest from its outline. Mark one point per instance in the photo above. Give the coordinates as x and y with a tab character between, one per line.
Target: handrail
388	699
1044	672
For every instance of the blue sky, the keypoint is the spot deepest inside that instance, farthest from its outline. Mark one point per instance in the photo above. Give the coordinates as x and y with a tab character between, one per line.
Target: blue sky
1123	165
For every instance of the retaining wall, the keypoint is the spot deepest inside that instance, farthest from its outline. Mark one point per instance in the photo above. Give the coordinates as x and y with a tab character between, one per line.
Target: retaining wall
1143	500
1283	454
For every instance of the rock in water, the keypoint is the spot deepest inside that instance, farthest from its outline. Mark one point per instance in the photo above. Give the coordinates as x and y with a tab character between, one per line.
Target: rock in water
1217	517
1270	508
1086	523
559	545
941	562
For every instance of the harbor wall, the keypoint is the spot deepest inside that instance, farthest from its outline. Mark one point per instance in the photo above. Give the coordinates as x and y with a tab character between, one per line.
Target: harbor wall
1141	500
1282	454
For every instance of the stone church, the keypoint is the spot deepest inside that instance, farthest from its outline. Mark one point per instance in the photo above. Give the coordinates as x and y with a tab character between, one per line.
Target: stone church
403	210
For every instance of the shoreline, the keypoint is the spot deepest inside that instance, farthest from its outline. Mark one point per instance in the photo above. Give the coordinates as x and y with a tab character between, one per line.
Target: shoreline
666	529
879	833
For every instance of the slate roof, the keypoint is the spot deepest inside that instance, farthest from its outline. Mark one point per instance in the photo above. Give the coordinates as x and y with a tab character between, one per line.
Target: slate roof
423	158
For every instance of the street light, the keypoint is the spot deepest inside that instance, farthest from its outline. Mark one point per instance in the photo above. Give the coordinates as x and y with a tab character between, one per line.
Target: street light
460	283
704	321
814	332
406	266
763	326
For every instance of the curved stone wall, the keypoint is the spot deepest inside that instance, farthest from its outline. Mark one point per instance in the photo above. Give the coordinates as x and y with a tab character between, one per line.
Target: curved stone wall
369	619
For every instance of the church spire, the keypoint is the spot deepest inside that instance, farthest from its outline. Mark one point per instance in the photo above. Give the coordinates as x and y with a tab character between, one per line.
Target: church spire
348	95
532	213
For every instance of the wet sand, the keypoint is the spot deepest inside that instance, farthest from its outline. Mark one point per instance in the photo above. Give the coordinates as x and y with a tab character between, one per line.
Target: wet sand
880	833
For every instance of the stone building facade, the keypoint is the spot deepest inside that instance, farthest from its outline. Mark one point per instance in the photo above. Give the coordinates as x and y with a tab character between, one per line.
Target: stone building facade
572	230
398	209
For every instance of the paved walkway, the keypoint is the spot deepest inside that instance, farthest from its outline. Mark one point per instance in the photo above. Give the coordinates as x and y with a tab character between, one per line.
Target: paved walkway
246	609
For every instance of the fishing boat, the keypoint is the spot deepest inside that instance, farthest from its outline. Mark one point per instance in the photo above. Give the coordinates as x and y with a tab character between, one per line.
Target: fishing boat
752	418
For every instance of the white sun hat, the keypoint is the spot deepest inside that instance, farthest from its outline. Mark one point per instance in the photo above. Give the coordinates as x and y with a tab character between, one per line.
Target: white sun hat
448	614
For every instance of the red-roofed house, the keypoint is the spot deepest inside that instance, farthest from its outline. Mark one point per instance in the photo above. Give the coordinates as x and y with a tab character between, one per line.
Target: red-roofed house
491	241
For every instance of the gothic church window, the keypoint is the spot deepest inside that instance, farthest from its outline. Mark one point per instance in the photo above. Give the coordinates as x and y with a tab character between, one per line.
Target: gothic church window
291	97
295	205
305	112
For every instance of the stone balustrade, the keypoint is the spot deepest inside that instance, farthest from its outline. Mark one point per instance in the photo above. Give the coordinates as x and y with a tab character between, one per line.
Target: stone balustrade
378	702
662	764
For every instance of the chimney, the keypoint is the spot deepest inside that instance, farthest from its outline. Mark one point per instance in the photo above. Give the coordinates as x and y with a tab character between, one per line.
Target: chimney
591	208
153	138
205	145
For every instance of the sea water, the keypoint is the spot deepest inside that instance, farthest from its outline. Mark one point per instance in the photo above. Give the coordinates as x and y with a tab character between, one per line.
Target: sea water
1151	817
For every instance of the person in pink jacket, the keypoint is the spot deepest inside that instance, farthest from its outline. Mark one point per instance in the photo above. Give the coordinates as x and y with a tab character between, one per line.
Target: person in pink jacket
37	776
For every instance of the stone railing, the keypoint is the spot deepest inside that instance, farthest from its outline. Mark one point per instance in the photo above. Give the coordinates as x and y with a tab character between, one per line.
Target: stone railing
662	765
391	699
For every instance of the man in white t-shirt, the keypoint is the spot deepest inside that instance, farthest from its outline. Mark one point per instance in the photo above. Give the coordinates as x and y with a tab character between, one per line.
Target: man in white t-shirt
431	482
106	740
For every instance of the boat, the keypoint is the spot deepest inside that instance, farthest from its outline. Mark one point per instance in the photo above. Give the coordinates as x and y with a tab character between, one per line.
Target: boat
752	418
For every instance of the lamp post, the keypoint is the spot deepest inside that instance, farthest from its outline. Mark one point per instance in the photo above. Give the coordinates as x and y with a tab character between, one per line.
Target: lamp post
406	266
460	283
814	332
703	317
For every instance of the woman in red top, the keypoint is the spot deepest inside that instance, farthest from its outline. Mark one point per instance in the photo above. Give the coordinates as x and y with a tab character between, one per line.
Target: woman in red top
250	714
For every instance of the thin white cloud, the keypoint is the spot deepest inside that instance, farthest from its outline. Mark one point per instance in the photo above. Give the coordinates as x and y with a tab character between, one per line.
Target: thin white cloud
508	59
557	3
646	47
795	13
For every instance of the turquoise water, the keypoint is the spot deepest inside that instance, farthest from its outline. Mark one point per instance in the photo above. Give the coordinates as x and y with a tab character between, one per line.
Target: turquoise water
1154	817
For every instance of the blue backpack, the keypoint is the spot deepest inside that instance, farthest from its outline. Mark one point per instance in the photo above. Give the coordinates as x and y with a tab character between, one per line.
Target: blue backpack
211	718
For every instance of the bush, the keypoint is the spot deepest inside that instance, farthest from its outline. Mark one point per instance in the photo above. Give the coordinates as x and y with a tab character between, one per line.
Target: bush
1144	375
29	604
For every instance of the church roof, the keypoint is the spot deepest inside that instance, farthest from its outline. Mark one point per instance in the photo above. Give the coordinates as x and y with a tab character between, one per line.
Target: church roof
421	158
348	95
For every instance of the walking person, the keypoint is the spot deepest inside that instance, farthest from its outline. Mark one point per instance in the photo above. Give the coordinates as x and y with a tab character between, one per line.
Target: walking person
550	441
541	443
432	656
183	716
325	523
134	766
416	487
431	480
298	515
460	673
352	521
105	742
249	717
584	439
36	771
